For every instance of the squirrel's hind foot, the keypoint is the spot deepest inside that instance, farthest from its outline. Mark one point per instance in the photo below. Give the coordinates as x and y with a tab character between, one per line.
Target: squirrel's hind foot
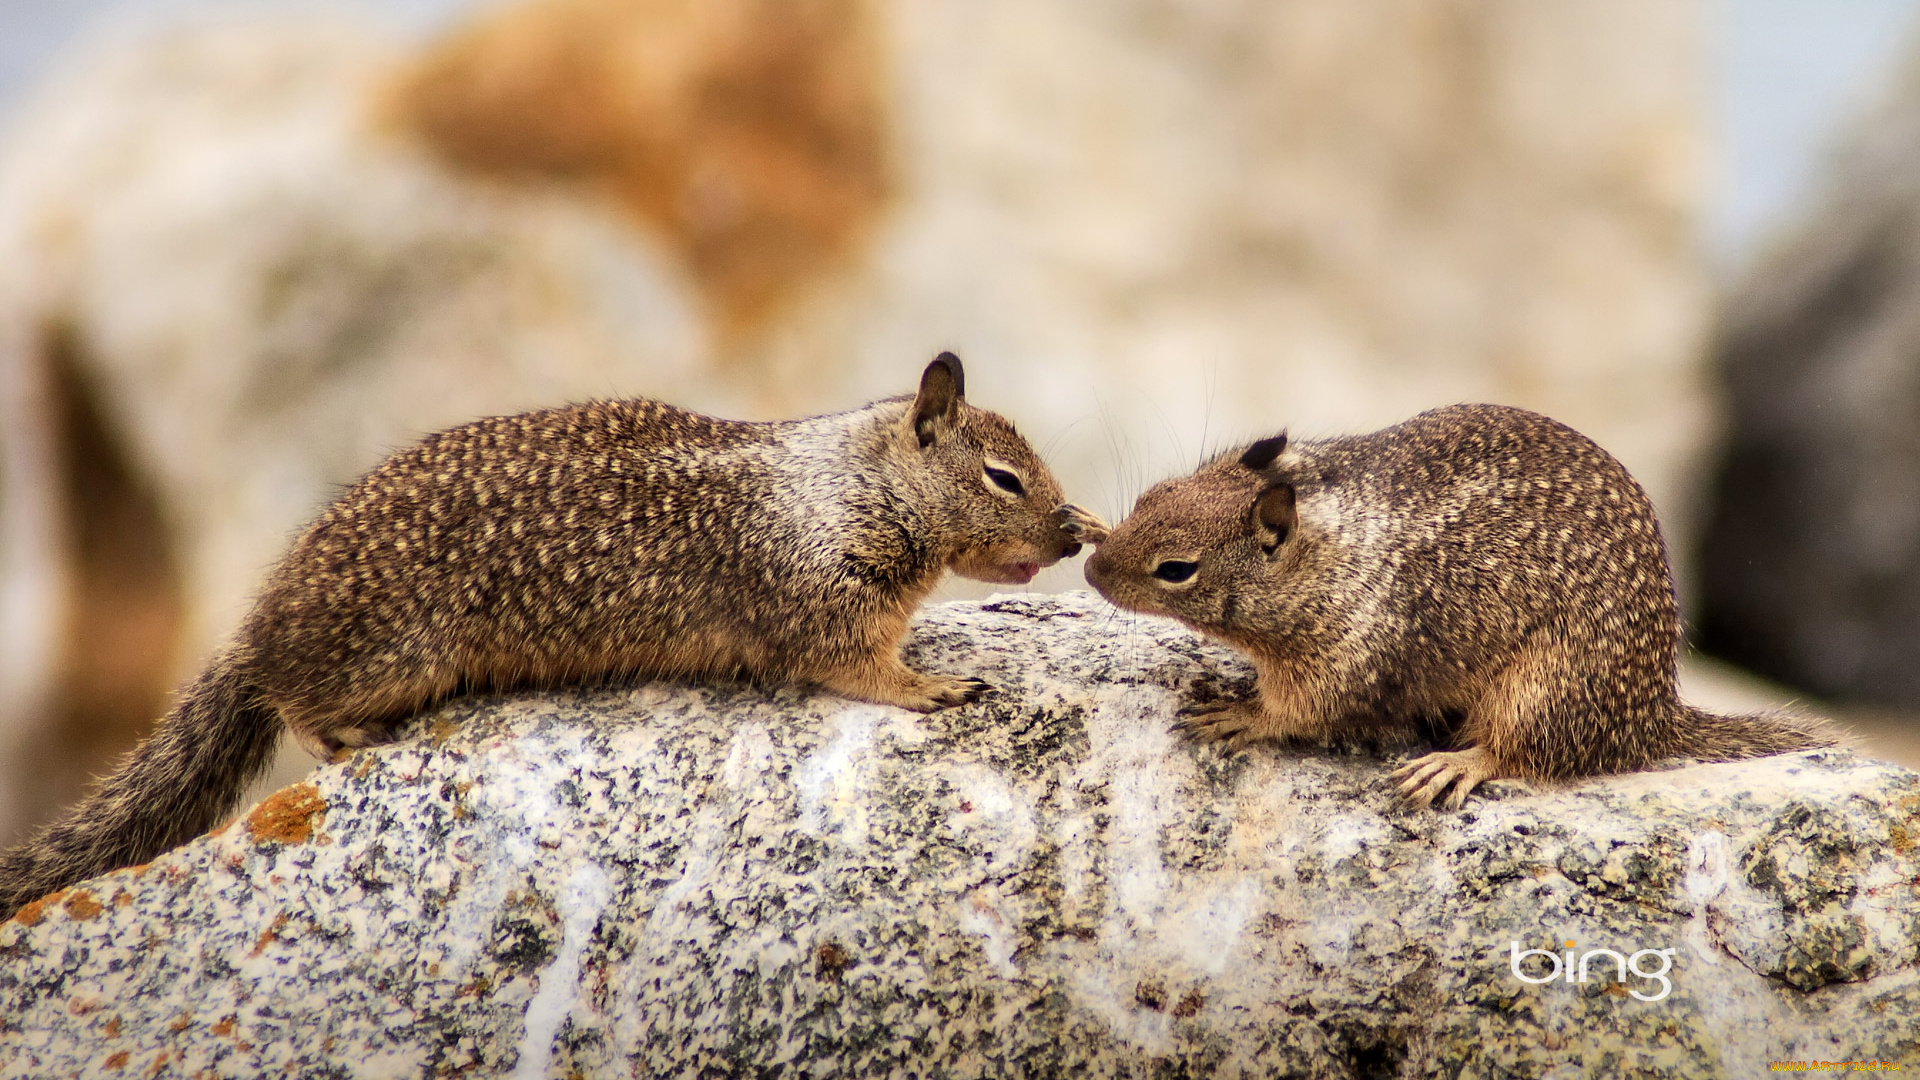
1427	778
335	744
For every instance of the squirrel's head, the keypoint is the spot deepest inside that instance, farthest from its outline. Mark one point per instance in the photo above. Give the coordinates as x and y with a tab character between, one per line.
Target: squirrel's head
1001	503
1194	547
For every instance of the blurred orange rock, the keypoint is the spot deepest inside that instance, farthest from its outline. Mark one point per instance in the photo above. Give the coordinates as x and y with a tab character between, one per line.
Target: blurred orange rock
748	134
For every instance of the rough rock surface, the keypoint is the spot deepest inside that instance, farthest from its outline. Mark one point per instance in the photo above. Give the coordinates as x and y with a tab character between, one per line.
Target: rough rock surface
695	881
1811	560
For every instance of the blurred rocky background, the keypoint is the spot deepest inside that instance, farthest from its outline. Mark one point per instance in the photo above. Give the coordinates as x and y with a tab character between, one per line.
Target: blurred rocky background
247	250
1810	563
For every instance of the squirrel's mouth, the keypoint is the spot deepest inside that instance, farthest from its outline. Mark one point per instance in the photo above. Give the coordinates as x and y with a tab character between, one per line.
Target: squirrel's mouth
1018	573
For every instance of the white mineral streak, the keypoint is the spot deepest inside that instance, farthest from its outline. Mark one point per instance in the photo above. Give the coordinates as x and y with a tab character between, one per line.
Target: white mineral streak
516	799
1706	880
833	783
584	898
981	914
676	880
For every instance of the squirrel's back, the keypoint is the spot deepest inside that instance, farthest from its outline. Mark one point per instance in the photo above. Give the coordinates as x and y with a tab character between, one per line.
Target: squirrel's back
1490	529
618	535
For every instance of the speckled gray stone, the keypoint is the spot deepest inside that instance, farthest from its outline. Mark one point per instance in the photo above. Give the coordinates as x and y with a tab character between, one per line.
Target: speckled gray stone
688	881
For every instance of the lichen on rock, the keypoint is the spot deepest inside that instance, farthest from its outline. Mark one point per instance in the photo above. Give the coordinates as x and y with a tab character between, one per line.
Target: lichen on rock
699	880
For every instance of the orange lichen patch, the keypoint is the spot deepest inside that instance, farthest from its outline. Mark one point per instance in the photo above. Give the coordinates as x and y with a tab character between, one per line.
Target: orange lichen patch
33	911
115	1061
112	1028
749	135
1901	839
441	730
181	1022
123	898
224	1028
159	1062
288	816
82	905
460	810
269	935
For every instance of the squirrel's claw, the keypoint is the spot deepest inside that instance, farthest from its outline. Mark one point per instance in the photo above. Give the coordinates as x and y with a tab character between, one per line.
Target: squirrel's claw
1428	778
1217	722
973	690
960	690
930	693
1084	526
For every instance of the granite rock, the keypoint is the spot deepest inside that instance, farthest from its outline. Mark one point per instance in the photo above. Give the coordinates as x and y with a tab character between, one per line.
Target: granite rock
708	881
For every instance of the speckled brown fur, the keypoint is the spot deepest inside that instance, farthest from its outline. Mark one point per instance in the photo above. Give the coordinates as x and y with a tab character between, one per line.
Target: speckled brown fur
1477	562
615	539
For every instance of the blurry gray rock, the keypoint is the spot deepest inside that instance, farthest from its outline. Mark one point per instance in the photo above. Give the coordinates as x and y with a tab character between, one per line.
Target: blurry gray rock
692	881
1810	568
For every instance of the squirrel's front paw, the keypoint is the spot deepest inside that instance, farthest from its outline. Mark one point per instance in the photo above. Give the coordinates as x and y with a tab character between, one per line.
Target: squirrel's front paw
893	683
944	692
1083	526
1234	723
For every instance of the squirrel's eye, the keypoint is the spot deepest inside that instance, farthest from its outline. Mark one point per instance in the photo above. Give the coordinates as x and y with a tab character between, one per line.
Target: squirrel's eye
1175	571
1006	481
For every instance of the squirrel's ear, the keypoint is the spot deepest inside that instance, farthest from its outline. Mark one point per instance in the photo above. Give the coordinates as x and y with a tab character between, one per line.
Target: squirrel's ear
942	387
1272	517
1261	454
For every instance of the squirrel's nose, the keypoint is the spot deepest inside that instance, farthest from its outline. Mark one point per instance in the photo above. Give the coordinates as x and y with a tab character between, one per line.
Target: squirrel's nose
1096	567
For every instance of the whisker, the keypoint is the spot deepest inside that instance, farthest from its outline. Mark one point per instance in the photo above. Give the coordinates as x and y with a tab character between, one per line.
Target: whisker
1206	416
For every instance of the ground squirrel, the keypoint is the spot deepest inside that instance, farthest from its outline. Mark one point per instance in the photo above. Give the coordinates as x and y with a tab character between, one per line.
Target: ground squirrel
1478	565
620	538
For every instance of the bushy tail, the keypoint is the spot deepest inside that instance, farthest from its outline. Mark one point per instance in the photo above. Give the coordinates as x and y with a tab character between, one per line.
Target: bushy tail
1714	737
174	786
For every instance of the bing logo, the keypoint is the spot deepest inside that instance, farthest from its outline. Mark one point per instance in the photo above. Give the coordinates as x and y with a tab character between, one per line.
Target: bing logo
1563	968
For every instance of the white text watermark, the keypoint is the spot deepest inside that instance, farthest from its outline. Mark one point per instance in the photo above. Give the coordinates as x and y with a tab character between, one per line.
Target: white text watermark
1565	969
